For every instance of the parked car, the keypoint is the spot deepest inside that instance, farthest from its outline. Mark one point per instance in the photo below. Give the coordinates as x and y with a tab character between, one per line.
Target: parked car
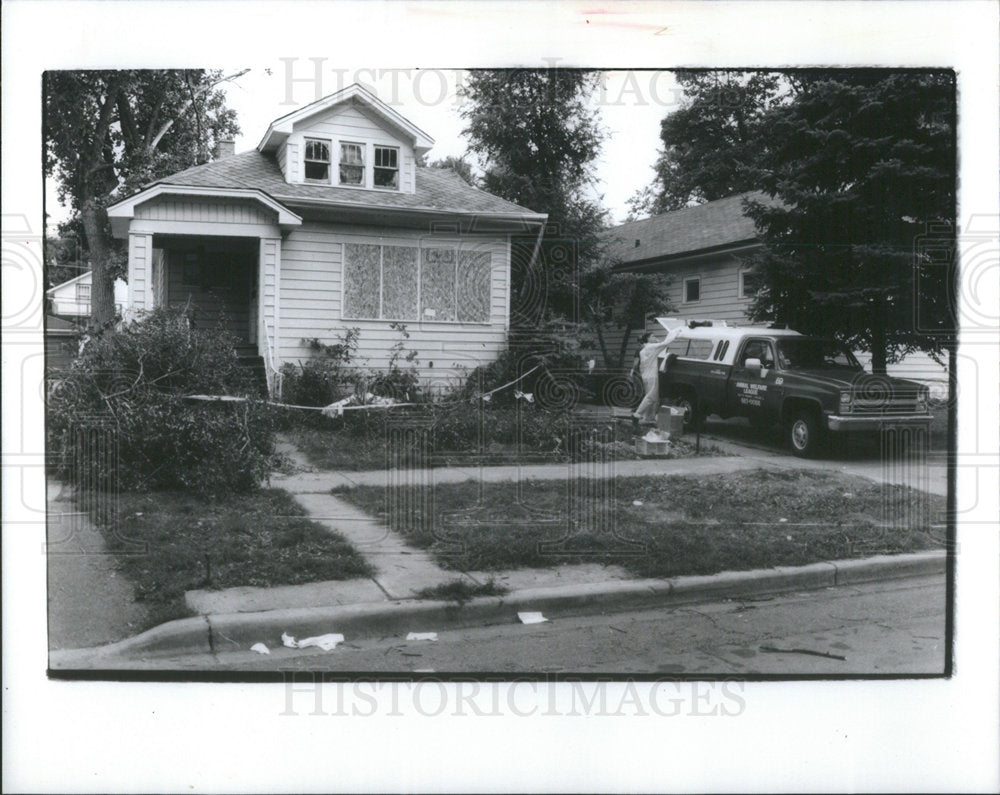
811	386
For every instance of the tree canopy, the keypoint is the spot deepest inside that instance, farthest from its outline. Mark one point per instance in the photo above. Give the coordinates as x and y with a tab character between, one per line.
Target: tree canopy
863	168
106	133
713	144
536	136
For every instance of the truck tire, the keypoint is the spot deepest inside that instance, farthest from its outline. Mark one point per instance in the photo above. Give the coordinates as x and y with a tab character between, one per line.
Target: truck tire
805	434
686	401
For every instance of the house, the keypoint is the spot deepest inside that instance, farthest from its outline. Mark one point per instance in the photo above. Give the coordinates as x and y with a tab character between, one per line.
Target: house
71	299
330	223
704	249
62	341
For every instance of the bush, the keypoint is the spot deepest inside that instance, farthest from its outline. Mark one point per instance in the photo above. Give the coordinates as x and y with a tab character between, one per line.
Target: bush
133	381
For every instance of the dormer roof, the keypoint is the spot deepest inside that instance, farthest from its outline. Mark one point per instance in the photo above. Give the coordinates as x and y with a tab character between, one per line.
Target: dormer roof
279	129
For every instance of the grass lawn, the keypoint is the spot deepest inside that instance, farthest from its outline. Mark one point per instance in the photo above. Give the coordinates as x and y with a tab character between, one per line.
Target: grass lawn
249	539
680	525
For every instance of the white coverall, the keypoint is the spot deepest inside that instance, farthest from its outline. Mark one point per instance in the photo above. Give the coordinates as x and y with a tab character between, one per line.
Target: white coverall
650	371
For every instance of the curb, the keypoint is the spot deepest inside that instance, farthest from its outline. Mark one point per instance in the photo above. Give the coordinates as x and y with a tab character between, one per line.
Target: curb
238	631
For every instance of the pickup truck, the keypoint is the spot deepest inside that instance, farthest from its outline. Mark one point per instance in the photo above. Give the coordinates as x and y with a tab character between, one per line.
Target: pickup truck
813	387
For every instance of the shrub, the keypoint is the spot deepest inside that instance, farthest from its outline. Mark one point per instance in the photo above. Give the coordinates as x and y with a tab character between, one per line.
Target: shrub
325	377
134	381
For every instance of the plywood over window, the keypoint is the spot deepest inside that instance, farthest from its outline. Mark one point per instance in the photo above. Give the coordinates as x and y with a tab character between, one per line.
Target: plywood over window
362	280
399	282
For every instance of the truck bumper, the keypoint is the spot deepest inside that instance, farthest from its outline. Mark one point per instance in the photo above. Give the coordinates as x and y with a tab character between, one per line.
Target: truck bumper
840	423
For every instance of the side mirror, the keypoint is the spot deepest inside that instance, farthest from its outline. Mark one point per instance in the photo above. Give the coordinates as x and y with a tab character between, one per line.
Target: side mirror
753	365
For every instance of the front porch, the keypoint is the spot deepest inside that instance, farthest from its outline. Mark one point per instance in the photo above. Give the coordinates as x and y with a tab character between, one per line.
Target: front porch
216	253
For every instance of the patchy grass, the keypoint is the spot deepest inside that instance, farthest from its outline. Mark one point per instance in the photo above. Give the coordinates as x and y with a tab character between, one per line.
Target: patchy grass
462	591
505	436
664	526
259	539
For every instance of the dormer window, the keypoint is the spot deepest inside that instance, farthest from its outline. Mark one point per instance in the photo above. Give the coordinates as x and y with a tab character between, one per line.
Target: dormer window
386	167
317	161
352	164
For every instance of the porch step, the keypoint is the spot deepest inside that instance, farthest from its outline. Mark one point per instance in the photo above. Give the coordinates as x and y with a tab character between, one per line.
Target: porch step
255	364
247	351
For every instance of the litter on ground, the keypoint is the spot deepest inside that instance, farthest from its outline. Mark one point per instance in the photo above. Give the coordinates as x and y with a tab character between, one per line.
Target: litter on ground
422	636
531	618
325	642
260	648
288	641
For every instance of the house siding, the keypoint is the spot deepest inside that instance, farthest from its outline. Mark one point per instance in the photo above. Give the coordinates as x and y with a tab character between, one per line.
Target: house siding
312	294
205	211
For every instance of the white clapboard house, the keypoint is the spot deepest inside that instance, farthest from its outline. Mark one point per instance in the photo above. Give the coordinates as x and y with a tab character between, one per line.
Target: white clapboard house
329	224
71	299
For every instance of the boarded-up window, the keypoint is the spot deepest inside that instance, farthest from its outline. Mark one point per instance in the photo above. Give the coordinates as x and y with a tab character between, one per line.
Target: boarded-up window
362	280
399	283
437	284
433	283
474	286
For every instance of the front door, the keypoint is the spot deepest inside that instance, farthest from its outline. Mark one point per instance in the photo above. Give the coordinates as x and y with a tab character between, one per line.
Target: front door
752	393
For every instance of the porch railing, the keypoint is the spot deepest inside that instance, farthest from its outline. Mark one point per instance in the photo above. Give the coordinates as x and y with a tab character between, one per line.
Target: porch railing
271	372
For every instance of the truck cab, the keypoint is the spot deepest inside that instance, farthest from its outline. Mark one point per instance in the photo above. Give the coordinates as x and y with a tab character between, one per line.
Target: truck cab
811	386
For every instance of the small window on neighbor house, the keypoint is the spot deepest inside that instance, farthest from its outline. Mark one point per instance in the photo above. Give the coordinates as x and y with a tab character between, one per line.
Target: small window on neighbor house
317	161
352	164
748	284
692	290
83	293
386	167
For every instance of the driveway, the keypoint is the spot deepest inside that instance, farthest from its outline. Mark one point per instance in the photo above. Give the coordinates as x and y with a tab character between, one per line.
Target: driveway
859	456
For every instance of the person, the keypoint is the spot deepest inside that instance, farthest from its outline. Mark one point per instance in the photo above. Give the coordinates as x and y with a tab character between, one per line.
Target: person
648	364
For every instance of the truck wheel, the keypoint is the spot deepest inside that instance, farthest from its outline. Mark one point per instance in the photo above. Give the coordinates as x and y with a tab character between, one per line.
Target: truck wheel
805	434
686	402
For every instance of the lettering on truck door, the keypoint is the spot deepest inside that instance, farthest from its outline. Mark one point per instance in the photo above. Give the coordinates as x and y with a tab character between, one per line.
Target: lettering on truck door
752	394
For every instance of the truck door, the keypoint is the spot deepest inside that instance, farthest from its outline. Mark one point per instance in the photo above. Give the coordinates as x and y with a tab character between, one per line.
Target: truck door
750	393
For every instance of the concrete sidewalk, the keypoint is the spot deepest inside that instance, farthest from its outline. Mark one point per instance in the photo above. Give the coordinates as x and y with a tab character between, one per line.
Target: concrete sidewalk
89	600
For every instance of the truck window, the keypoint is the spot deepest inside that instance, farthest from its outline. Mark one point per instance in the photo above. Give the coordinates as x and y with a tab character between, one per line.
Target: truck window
757	349
699	349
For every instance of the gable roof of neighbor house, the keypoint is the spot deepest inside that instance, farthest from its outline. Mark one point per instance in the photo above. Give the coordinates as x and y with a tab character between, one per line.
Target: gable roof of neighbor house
68	282
685	232
437	189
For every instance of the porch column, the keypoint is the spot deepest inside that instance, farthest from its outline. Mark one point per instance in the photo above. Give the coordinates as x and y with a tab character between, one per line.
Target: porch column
269	303
140	256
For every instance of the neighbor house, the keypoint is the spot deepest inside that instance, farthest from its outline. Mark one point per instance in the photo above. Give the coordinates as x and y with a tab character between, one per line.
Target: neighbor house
330	223
704	249
71	299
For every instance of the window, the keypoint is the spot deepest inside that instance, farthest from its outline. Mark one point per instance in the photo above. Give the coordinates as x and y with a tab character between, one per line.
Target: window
83	293
386	167
317	161
699	349
748	284
692	290
758	349
430	283
352	164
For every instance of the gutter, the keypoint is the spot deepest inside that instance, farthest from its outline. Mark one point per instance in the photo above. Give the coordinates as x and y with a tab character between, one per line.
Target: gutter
526	217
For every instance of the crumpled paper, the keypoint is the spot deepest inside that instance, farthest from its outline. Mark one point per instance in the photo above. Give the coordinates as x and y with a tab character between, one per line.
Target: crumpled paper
531	618
325	642
422	636
260	648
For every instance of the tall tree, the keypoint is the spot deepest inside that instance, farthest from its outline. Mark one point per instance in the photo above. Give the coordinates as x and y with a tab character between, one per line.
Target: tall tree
107	133
864	168
712	145
536	135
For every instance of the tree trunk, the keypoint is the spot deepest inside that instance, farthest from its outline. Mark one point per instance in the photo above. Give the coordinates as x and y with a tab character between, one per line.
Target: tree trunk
102	290
599	328
878	351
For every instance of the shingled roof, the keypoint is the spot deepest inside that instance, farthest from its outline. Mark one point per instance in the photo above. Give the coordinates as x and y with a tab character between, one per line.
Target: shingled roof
686	231
437	189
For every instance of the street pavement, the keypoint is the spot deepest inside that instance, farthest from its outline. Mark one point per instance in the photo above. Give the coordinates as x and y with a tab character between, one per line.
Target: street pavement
888	628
